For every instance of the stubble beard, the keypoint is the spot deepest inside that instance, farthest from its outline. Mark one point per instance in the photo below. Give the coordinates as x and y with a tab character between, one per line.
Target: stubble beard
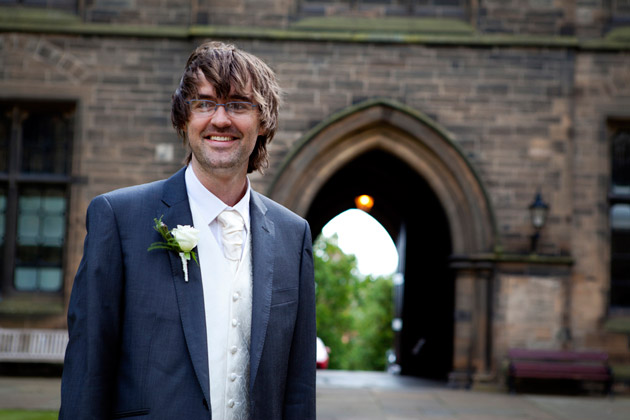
219	162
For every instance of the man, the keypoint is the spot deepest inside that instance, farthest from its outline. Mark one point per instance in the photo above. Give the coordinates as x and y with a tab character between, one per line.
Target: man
228	334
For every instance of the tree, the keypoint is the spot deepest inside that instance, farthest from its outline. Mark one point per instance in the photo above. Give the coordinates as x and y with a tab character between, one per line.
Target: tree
354	313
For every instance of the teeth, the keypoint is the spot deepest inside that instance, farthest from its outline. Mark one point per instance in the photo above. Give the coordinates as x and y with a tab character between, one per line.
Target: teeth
220	138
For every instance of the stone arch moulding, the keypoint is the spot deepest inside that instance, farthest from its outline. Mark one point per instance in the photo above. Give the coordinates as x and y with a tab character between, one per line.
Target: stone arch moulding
407	134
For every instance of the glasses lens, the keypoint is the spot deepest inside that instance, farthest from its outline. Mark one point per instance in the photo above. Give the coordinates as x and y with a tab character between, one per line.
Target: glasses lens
238	107
201	106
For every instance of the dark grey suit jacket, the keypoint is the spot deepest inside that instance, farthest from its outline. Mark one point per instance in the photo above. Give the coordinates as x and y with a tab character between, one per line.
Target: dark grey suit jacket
137	330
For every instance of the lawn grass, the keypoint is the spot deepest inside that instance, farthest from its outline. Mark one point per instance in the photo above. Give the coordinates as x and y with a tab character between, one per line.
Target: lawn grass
28	415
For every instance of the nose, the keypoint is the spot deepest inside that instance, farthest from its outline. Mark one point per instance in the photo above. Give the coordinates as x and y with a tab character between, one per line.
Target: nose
220	118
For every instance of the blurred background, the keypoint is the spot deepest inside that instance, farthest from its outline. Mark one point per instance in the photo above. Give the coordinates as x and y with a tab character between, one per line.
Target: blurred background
478	151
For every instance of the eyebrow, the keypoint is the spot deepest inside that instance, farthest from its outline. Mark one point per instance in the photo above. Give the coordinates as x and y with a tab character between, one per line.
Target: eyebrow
234	97
240	98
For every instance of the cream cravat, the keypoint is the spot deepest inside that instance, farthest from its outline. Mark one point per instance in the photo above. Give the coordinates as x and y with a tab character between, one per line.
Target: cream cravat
232	225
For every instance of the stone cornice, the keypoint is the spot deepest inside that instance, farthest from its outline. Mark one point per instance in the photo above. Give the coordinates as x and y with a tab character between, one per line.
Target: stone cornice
507	258
384	31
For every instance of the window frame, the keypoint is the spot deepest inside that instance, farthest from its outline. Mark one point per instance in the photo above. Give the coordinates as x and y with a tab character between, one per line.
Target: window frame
15	179
411	8
614	127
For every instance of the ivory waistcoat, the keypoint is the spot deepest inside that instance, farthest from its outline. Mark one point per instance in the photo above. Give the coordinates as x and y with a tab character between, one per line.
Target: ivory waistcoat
228	311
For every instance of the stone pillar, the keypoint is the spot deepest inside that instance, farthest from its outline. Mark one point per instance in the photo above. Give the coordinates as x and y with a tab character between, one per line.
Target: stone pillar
464	332
473	323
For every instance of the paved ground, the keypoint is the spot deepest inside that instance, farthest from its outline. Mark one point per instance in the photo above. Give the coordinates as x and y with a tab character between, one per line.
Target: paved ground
372	396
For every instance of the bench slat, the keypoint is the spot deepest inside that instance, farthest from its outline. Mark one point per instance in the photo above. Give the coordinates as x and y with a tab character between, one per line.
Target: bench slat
559	367
31	345
557	355
575	376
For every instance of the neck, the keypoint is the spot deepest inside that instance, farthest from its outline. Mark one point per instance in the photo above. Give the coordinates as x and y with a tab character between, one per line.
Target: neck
227	187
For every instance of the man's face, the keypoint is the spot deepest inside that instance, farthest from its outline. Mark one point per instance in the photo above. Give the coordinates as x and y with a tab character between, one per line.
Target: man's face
221	143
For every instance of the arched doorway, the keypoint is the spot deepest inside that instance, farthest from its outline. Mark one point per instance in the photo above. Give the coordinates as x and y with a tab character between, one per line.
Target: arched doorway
427	196
404	201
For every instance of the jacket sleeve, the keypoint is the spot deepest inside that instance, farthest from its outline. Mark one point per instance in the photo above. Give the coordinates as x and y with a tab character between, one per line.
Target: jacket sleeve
300	388
90	365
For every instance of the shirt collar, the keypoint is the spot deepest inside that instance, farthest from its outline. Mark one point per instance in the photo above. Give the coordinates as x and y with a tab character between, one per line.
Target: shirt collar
209	205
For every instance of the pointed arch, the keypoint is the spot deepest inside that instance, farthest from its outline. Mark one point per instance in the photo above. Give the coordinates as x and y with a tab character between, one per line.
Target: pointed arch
412	137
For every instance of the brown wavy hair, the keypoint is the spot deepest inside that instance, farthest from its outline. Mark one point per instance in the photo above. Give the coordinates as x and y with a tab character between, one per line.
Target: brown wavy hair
225	66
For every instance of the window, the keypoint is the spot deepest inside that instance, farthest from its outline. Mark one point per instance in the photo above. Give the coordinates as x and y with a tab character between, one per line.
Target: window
619	198
35	157
65	5
417	8
619	13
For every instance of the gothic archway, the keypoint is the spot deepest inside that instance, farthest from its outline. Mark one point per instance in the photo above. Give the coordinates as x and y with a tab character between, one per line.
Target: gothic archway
431	202
410	136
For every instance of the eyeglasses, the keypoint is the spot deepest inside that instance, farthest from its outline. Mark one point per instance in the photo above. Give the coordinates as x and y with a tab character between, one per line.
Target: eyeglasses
208	108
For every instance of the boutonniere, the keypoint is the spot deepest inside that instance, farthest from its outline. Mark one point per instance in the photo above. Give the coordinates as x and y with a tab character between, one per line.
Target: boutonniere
182	239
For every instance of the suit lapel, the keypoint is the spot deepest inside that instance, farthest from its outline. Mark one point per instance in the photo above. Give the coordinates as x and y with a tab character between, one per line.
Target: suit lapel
263	250
176	211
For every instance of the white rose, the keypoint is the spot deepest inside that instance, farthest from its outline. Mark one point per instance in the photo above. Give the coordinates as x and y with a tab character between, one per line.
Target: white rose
186	236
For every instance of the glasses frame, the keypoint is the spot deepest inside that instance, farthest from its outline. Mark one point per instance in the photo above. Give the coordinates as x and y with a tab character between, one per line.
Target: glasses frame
226	106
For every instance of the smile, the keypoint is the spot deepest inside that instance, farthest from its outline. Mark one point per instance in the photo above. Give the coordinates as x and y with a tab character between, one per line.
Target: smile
219	138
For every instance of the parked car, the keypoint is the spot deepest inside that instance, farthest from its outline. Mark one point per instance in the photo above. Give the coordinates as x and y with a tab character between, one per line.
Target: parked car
322	354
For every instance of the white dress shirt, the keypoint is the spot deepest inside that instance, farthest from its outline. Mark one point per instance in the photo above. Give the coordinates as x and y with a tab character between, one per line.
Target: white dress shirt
207	206
224	294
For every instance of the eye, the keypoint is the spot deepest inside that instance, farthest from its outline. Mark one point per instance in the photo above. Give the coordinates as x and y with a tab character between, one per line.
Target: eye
238	106
205	105
202	106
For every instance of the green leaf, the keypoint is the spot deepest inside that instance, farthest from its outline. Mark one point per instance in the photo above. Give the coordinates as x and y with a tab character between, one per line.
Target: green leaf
354	314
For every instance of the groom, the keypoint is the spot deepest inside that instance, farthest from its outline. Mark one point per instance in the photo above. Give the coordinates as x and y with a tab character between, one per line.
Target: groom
233	337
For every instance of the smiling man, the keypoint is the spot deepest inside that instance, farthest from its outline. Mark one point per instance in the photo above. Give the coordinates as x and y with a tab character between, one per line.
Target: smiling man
227	334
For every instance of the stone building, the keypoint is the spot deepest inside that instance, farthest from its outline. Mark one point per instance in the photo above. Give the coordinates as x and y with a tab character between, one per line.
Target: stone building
452	114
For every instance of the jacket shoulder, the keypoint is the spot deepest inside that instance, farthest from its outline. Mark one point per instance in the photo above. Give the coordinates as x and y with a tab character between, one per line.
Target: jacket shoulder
128	197
277	211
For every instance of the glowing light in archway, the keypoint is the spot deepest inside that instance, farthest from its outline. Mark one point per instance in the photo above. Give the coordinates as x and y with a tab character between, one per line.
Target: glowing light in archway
364	202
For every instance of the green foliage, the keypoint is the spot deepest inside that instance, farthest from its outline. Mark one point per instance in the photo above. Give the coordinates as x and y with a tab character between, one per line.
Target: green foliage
354	313
28	415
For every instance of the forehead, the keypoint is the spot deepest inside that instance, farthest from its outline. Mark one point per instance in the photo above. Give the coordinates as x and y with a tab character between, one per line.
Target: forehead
205	88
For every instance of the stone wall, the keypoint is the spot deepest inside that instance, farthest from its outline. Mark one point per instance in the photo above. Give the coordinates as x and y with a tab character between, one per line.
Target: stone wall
529	312
507	108
530	117
601	95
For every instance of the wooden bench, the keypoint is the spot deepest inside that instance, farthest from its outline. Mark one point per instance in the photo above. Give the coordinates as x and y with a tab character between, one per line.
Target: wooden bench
583	366
31	345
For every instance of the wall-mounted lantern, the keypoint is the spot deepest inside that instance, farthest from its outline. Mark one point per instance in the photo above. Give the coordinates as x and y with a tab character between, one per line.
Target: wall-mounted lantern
538	212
